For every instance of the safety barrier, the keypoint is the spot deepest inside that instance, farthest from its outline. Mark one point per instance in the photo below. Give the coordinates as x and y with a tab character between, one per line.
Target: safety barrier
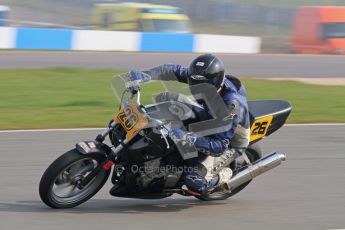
94	40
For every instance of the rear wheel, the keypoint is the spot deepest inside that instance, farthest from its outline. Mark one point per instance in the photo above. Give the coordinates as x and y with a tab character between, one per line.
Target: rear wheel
59	184
254	153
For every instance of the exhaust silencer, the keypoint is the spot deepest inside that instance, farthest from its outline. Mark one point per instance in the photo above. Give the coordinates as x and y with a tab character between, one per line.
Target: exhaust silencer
263	165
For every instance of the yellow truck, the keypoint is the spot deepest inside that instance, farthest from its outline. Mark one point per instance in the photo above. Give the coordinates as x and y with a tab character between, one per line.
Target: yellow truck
140	17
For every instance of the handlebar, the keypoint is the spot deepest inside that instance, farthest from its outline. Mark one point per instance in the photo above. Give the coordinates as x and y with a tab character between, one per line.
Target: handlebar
151	119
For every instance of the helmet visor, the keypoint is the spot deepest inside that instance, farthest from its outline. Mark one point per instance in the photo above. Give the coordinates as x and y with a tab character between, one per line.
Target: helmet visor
198	79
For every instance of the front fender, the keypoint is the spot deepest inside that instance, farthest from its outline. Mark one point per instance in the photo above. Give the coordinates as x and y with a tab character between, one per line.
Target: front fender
93	147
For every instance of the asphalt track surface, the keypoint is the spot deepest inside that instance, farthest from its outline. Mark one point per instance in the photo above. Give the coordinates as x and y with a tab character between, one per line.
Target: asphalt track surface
306	192
261	65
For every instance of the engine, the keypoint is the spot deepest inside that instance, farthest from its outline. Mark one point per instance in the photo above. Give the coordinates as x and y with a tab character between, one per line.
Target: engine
148	166
154	176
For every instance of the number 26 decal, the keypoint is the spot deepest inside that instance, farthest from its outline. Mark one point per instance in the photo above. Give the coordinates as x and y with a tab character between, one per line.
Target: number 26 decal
260	127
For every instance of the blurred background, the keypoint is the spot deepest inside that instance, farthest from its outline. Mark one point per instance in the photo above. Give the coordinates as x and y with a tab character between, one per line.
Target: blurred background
257	41
271	20
148	33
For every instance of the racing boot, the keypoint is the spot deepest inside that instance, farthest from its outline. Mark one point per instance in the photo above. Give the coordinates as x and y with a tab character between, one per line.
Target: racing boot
219	182
224	175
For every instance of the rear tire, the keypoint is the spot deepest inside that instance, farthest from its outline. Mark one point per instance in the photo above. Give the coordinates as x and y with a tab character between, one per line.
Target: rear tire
254	153
62	174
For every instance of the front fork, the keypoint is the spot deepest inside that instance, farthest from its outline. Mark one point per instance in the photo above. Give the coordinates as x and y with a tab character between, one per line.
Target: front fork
110	159
105	165
101	137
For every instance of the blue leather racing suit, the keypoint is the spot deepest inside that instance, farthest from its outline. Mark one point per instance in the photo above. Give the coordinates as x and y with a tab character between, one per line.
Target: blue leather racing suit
213	146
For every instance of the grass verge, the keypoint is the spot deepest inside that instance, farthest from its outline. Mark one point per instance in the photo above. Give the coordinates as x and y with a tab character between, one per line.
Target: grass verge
70	97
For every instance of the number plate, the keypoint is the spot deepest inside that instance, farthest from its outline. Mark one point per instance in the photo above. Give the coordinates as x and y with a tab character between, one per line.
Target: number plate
131	120
260	127
128	118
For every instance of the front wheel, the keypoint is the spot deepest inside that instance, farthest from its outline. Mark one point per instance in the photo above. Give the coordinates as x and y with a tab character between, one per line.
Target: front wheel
59	184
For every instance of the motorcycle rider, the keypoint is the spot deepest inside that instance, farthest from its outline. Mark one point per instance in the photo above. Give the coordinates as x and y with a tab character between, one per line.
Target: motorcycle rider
217	148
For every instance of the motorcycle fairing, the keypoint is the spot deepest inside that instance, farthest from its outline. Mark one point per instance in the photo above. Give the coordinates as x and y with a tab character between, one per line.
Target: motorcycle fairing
267	116
92	147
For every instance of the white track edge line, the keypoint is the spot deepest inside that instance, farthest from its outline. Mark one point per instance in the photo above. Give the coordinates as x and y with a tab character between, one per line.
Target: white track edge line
90	129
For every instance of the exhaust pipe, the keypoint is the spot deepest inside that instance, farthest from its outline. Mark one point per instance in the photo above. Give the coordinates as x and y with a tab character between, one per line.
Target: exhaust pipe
263	165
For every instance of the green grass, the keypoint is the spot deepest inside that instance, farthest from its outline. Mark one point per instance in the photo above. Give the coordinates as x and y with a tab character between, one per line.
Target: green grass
311	103
69	97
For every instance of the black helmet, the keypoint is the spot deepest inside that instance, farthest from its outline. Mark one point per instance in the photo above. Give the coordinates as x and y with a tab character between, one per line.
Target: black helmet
206	68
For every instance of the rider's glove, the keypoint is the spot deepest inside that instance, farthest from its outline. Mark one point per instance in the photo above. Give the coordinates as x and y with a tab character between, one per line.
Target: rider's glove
183	137
135	75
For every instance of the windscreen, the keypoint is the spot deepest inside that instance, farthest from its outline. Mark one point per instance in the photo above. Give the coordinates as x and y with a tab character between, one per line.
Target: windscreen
129	115
333	30
118	86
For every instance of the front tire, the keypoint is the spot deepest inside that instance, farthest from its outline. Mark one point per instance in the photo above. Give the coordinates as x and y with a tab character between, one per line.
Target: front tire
58	185
254	153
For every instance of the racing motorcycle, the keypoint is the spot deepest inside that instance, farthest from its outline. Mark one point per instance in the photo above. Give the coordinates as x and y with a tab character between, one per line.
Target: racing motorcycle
141	146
